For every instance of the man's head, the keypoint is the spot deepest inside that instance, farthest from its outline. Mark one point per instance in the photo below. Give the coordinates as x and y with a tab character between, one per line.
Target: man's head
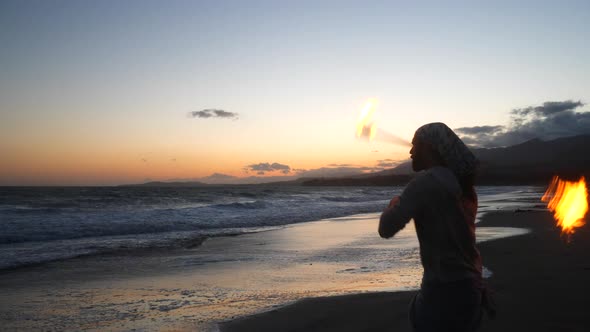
435	144
424	155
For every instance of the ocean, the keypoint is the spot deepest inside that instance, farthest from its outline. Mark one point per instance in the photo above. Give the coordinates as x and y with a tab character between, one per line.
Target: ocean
43	224
138	258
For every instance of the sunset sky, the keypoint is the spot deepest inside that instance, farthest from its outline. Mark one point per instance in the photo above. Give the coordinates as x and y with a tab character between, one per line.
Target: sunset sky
111	92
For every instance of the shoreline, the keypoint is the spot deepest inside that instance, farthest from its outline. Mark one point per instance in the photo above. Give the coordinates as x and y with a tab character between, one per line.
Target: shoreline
231	277
190	289
540	283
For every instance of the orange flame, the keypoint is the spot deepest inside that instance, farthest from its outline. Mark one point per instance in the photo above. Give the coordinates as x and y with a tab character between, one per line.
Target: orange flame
568	201
365	127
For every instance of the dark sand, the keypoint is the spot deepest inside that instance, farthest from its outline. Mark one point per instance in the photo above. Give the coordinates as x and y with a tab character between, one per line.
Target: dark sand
541	283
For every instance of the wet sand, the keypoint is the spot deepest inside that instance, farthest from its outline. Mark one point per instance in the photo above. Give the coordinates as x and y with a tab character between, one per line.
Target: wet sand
541	283
225	277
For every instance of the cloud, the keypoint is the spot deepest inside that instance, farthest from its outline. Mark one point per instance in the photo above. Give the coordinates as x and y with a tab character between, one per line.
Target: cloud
262	168
342	170
387	163
479	130
260	171
213	113
552	120
334	171
548	108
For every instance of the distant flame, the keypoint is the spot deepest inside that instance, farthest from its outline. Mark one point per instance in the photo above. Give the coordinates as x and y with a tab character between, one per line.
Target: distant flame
365	127
568	201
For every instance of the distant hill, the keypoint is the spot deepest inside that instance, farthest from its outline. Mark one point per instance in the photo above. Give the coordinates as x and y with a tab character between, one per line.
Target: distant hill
535	161
375	180
531	162
166	184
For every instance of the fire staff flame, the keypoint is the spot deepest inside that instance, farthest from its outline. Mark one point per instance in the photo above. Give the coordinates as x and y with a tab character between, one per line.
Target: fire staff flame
367	128
568	200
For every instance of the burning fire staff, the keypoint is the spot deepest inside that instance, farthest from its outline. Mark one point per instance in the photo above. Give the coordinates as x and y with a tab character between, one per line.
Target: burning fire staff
568	200
443	203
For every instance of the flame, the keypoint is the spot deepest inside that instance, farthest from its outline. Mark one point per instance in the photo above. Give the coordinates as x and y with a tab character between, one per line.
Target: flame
568	200
365	127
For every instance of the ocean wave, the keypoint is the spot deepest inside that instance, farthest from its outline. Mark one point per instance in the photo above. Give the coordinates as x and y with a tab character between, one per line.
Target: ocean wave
68	222
241	205
33	253
345	199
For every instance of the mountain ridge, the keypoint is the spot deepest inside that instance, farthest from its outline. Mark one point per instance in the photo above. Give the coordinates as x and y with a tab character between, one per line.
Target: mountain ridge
531	162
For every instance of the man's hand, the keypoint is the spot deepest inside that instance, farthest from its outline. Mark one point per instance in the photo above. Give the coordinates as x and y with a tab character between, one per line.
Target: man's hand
393	201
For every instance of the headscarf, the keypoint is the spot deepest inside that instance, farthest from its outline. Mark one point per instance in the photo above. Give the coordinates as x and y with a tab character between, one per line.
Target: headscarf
457	156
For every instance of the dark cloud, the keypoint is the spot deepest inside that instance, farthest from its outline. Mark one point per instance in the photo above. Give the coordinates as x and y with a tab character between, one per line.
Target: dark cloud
549	121
387	163
479	130
213	113
342	170
333	171
548	108
262	168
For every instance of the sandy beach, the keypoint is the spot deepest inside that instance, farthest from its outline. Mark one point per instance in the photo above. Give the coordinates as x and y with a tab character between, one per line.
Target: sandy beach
225	277
328	275
540	282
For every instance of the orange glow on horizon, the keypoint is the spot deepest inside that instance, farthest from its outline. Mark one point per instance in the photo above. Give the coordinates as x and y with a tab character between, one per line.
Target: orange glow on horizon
66	161
81	169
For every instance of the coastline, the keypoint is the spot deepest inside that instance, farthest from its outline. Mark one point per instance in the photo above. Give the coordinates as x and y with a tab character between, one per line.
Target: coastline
190	289
540	283
299	278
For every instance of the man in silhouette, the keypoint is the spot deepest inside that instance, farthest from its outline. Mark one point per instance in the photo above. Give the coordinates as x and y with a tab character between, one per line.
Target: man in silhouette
443	203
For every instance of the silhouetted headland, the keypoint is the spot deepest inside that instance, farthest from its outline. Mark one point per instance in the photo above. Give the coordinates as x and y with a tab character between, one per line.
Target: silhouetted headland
533	162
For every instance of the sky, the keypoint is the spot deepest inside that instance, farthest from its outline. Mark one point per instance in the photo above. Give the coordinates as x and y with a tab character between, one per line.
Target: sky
113	92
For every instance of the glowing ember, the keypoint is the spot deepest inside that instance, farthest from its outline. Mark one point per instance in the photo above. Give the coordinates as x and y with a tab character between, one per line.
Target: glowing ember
365	126
569	203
